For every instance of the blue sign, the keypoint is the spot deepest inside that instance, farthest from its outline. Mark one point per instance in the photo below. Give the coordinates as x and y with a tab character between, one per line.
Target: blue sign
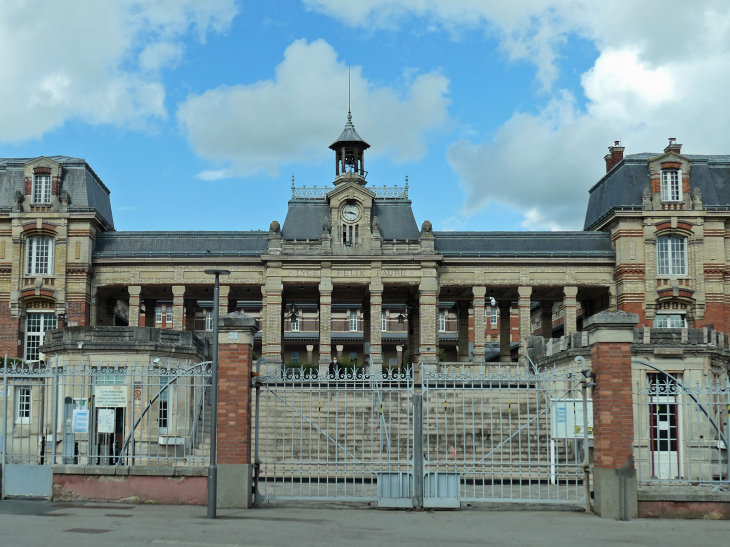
80	423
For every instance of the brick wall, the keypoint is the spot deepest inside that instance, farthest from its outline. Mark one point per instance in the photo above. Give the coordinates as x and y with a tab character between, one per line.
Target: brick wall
612	404
234	403
9	334
78	312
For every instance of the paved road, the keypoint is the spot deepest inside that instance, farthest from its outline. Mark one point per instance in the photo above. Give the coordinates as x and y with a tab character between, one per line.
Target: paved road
37	523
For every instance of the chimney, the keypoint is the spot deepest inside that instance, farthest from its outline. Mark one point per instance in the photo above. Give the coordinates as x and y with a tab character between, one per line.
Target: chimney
616	155
673	146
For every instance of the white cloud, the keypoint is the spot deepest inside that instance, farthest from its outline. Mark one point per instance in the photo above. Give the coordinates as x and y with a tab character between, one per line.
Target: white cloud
662	70
91	60
297	115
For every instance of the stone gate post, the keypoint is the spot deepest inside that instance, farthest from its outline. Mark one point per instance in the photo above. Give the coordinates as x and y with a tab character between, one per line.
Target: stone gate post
610	336
235	352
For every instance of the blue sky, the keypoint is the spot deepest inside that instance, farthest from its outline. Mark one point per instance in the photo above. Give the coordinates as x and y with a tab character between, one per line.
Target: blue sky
196	114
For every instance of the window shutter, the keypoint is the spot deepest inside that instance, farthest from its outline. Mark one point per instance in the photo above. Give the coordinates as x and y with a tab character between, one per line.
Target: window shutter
51	254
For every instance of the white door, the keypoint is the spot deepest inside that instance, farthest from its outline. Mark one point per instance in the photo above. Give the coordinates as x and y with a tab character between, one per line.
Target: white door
664	439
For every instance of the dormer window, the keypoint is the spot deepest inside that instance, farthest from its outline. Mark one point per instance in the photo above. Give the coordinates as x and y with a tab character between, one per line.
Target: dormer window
42	188
671	185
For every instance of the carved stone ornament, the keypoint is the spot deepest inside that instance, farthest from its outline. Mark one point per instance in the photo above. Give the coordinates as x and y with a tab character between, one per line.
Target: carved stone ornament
327	225
426	227
19	197
64	198
275	227
376	225
646	197
696	194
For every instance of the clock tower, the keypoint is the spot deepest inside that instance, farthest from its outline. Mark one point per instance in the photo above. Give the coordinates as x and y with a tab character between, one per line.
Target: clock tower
350	202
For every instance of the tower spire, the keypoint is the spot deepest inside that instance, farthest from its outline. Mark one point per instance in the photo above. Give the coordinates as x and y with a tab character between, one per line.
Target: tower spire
349	94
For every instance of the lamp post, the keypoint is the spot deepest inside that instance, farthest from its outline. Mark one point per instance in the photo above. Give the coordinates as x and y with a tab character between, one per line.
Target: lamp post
213	468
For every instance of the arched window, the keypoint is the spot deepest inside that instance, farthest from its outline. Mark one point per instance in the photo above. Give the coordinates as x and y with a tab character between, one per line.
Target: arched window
671	185
39	255
671	255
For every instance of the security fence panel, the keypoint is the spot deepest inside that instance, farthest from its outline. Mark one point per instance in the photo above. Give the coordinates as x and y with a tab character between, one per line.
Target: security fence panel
346	436
681	432
105	414
502	434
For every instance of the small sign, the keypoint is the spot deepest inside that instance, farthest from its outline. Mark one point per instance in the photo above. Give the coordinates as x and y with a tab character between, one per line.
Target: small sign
138	394
106	420
566	419
80	421
233	336
111	396
2	391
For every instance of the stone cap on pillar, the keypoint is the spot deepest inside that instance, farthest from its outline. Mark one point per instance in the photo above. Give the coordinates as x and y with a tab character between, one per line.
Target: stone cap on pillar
611	326
231	324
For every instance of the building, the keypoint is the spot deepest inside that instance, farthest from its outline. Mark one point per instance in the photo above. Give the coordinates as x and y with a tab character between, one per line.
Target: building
350	273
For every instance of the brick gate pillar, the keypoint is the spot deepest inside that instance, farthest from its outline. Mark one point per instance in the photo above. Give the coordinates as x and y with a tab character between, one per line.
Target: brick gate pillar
235	356
610	334
479	326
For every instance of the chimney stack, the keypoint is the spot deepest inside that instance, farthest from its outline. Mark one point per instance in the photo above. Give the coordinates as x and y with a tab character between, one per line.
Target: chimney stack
673	146
616	154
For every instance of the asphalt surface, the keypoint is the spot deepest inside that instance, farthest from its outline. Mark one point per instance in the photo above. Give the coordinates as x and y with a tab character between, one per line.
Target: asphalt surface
40	523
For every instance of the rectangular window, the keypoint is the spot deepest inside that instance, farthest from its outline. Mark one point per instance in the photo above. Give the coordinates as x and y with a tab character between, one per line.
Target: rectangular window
669	321
492	313
39	255
294	357
42	188
383	321
158	314
23	399
36	325
353	321
294	322
442	321
671	256
168	315
671	185
208	320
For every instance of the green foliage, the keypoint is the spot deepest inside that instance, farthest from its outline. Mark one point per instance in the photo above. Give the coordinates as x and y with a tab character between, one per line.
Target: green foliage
442	355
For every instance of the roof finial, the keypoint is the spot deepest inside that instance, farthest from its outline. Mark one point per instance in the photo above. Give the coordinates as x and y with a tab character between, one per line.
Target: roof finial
292	182
406	181
349	95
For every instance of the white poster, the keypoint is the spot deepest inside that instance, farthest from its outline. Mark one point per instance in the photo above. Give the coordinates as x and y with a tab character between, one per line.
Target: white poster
106	420
80	422
111	396
566	419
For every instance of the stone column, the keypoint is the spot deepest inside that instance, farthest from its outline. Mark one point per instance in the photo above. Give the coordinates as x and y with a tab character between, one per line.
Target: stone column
428	321
463	331
178	307
376	308
610	335
399	355
272	334
235	356
525	323
134	292
546	319
339	349
325	322
224	303
310	352
479	325
149	312
505	331
569	312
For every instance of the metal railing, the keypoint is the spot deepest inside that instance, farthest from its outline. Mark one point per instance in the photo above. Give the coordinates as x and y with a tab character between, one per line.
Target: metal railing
106	413
681	431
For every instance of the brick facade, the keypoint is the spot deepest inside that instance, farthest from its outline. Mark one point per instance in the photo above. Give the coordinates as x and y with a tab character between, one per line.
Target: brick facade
234	403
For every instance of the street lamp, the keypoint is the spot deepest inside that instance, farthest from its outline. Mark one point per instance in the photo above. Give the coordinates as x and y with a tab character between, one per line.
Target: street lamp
213	468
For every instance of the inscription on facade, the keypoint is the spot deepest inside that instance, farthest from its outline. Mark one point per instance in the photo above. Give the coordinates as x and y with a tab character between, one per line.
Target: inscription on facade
393	273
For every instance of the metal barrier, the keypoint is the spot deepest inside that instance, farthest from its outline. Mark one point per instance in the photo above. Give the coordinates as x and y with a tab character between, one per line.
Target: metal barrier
101	414
463	434
681	431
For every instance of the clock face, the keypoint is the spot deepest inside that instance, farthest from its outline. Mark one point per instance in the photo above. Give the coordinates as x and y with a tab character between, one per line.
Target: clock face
350	212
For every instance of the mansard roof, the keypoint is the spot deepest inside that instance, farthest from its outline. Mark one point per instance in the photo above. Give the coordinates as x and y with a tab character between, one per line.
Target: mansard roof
85	189
305	218
525	244
622	186
180	244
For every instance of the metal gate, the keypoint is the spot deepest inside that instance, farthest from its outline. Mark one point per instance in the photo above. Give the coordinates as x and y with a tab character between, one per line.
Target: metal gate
463	433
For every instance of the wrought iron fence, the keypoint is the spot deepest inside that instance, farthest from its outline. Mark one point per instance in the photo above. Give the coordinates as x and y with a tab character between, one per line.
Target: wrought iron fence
681	432
106	413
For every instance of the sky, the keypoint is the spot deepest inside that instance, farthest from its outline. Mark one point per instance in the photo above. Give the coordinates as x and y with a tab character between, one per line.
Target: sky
196	114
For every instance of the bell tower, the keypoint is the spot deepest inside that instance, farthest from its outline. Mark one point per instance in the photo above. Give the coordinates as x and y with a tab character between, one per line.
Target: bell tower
350	155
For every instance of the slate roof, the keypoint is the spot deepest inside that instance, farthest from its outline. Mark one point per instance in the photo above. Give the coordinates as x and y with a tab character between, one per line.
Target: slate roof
621	188
85	189
349	135
305	218
180	244
525	244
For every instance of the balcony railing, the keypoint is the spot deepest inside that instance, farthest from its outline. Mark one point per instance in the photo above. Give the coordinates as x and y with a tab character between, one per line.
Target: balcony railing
343	325
303	325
